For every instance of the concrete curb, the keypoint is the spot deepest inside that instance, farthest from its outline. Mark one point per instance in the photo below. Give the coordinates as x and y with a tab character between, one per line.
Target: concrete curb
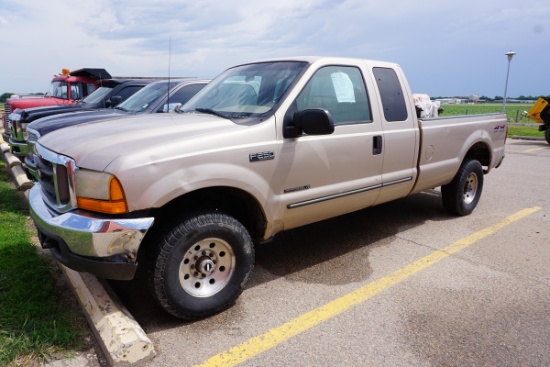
122	340
518	137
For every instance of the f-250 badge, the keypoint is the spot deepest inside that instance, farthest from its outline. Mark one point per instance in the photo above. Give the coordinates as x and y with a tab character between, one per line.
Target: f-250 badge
262	156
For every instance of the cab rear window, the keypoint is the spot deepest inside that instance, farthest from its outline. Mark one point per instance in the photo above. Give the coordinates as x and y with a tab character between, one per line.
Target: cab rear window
391	94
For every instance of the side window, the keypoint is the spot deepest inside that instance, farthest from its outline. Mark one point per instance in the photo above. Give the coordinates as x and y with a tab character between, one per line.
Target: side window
90	87
126	92
181	97
76	91
341	91
184	94
391	94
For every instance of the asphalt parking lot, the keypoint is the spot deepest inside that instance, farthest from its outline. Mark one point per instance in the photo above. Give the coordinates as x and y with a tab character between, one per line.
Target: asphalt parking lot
401	284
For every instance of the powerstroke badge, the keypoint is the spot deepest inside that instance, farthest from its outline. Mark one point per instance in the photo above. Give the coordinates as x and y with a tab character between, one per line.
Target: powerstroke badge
262	156
299	188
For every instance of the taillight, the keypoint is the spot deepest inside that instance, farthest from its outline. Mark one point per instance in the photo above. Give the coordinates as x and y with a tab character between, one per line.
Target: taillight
506	135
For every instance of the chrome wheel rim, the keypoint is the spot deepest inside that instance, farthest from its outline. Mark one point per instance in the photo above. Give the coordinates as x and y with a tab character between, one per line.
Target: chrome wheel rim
207	267
470	188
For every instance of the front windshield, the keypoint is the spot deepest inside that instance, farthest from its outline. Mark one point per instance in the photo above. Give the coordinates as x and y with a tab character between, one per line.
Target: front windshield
58	89
246	91
97	95
145	97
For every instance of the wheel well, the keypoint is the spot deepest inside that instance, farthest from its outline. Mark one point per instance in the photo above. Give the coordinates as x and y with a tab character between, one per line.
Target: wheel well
234	202
480	151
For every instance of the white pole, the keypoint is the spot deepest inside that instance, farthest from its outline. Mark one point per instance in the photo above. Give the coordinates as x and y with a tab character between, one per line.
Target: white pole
509	54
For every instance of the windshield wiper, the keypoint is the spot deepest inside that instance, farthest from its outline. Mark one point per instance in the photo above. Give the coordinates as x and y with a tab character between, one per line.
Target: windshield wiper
211	112
121	109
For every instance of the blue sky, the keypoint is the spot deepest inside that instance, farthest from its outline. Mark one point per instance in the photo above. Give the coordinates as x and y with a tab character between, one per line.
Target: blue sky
446	48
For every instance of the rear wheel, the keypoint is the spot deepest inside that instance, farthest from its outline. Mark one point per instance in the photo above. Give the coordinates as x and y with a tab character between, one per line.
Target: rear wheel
547	134
462	194
202	264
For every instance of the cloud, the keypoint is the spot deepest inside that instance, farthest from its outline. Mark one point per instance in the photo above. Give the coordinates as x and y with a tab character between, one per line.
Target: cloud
445	48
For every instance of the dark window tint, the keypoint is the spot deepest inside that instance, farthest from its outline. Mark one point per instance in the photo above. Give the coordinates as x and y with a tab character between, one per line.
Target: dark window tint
180	97
126	92
184	94
391	94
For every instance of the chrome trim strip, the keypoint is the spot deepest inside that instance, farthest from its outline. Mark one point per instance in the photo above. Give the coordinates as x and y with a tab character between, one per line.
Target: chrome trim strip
395	182
347	193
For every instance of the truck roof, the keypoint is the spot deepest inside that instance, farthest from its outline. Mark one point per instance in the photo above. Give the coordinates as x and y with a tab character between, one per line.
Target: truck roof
324	59
92	73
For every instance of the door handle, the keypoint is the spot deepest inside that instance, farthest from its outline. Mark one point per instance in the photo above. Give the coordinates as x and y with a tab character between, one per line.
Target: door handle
377	145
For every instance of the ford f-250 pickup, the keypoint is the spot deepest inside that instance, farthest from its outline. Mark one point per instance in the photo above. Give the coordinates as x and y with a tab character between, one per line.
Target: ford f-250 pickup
265	147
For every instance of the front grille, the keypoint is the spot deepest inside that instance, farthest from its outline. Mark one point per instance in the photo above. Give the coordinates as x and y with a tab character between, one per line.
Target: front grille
7	111
47	182
56	177
13	125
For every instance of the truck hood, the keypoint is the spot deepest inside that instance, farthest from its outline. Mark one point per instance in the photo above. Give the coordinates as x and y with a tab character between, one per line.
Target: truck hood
96	144
37	102
48	124
32	114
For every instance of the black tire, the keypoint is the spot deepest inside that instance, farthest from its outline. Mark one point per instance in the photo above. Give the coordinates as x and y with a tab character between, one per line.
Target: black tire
462	194
547	134
202	265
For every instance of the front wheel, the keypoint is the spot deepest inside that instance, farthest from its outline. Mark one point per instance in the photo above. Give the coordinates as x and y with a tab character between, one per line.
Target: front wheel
202	264
462	194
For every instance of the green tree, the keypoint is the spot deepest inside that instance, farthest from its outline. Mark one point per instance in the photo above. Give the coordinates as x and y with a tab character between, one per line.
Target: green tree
4	97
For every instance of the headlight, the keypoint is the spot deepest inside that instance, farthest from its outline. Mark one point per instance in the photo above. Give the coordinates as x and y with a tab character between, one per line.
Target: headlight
99	192
33	136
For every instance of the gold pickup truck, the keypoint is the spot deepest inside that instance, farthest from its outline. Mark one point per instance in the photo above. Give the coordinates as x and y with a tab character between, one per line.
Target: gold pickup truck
265	147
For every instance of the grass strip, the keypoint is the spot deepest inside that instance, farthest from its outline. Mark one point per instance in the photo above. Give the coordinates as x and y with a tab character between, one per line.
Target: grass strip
35	324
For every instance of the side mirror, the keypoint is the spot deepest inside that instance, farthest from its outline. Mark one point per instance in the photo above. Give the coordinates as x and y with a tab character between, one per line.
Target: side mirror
313	121
113	101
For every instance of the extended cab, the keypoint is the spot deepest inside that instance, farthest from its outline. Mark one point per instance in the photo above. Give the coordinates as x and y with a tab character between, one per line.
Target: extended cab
265	147
108	95
65	88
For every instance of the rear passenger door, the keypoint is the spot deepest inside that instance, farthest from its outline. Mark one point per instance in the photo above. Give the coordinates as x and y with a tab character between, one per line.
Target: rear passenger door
332	174
400	136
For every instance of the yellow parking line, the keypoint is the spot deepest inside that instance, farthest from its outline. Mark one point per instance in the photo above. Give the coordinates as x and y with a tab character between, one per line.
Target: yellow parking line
278	335
534	149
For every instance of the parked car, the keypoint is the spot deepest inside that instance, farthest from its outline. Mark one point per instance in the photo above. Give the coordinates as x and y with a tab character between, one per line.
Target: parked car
109	94
157	97
67	87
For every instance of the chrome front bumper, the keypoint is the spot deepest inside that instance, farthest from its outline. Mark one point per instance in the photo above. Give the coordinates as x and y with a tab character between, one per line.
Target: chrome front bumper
104	246
18	148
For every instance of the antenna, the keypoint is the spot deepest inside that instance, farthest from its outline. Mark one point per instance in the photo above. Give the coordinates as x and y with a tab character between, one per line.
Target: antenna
101	85
169	65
